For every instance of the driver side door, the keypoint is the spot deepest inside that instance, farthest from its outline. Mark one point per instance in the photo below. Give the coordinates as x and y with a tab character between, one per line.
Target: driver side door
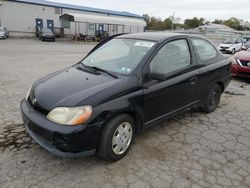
177	91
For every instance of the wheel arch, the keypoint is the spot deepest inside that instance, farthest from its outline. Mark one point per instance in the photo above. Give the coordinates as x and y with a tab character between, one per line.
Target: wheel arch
222	87
106	116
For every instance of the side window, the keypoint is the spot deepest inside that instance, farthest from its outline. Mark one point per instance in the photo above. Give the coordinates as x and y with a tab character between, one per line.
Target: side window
204	49
173	56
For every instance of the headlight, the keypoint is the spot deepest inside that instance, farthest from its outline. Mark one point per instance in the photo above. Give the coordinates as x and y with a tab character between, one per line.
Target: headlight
70	115
28	93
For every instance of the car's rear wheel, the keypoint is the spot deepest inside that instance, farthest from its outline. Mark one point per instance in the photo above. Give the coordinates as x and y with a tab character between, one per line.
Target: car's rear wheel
212	100
116	137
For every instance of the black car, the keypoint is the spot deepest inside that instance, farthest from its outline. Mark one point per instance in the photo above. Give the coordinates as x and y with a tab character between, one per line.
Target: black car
45	34
124	85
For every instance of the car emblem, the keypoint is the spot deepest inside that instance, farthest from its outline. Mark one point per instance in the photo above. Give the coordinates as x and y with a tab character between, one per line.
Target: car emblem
34	101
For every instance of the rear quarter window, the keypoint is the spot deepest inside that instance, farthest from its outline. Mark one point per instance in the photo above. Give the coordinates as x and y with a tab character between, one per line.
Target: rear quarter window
204	49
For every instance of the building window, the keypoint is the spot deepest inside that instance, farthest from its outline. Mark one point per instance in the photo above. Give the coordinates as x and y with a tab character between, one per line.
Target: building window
115	28
91	26
65	24
58	11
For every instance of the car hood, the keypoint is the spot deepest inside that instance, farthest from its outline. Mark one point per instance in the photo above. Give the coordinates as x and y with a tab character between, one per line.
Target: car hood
243	55
225	45
69	87
1	33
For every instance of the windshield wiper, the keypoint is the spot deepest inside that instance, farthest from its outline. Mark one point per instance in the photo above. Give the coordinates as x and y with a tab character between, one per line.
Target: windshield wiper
87	69
102	70
95	69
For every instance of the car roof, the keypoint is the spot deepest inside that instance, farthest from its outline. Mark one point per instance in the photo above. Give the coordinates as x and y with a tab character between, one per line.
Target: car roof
154	36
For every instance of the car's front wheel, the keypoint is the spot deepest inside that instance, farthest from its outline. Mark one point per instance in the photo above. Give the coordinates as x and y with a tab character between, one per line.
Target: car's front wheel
116	137
233	51
212	99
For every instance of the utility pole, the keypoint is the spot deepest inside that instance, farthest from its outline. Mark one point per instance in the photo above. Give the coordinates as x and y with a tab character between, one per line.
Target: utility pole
172	27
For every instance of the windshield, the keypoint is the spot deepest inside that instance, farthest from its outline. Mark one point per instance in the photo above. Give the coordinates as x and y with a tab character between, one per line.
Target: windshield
1	29
119	55
46	30
229	41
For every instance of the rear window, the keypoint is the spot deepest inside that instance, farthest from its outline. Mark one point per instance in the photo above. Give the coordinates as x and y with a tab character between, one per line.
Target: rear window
205	50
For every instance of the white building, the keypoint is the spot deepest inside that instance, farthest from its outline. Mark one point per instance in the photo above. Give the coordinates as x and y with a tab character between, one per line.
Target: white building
213	28
22	17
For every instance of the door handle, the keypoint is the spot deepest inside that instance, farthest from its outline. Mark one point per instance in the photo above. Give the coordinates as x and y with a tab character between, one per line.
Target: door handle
193	80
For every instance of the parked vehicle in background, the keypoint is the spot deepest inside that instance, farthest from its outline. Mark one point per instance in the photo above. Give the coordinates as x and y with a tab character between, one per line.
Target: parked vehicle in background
101	35
246	43
45	34
124	85
4	33
87	38
231	45
241	64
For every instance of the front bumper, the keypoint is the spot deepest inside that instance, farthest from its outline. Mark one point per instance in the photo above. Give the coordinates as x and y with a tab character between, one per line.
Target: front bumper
63	141
240	71
225	50
48	38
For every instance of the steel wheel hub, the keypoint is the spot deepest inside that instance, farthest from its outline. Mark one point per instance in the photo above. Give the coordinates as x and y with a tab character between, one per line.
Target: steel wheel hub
122	138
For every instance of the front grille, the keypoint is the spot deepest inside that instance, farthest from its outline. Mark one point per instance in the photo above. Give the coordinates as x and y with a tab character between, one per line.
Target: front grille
37	107
45	134
245	63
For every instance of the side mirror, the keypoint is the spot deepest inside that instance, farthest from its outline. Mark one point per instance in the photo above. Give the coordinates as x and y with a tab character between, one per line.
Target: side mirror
157	76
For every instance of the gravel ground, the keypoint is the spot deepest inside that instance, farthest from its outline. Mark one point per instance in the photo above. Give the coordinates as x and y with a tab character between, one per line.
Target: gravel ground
189	150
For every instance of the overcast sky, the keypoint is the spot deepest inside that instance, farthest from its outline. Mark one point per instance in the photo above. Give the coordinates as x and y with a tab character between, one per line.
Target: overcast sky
208	9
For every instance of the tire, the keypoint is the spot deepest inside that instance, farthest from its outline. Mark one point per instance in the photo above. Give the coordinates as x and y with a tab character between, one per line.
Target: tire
110	141
247	80
233	51
212	99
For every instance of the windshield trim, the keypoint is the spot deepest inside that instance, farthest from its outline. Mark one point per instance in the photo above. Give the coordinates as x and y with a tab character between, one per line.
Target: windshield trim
147	40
